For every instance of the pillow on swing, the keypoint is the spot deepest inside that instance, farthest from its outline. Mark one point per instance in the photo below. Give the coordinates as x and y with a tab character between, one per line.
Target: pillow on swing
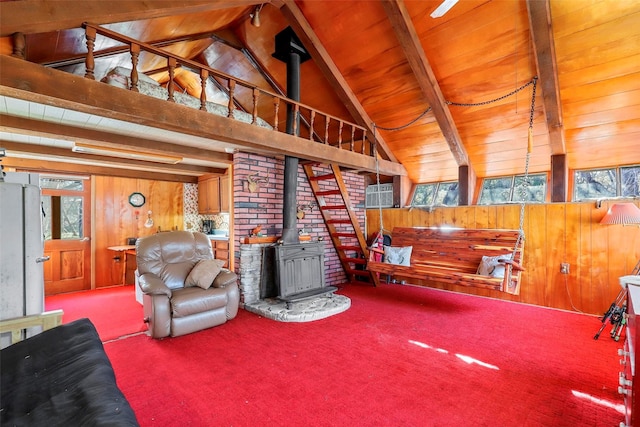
400	255
489	266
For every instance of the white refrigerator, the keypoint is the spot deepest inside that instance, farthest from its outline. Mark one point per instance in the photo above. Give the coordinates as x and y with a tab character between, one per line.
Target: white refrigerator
21	249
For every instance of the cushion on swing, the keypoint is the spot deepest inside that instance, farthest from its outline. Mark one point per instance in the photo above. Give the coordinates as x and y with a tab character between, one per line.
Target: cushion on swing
400	255
491	265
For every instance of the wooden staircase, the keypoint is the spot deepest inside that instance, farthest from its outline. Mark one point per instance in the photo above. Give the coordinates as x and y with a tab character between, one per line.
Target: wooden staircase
342	223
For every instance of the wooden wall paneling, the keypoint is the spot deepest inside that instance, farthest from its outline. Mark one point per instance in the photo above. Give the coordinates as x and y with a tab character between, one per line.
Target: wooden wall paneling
492	218
555	283
600	245
572	224
469	213
108	270
449	217
116	219
535	256
622	238
583	247
481	218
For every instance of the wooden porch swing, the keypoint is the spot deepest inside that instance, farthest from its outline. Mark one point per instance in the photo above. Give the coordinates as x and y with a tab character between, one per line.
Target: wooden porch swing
484	258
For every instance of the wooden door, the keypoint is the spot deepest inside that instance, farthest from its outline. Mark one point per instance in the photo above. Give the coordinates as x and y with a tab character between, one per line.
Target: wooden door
66	203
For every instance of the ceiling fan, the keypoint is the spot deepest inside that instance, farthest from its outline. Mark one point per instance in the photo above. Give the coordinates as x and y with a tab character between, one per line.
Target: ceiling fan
443	8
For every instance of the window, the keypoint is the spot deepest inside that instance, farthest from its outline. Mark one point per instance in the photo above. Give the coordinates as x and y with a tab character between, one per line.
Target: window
62	206
513	189
380	196
72	184
436	194
607	183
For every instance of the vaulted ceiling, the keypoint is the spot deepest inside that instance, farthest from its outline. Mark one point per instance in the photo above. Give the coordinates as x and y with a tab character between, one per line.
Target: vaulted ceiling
389	64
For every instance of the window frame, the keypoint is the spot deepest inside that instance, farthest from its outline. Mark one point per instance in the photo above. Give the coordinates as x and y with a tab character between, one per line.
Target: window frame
512	189
618	183
435	193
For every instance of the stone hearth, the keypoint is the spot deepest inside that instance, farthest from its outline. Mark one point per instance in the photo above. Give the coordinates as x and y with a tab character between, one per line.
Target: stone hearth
315	308
307	310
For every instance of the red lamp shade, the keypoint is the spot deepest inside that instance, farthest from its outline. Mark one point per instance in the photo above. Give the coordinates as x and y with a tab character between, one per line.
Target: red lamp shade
622	213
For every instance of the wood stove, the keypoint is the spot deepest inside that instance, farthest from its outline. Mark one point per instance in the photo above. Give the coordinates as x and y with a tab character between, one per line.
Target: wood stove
298	268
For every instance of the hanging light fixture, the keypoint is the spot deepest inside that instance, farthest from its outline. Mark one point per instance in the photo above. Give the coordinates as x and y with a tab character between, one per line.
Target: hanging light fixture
622	213
255	16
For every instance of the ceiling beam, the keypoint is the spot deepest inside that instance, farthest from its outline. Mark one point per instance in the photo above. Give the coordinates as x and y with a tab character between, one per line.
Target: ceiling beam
41	16
408	38
73	157
323	60
52	166
545	55
25	126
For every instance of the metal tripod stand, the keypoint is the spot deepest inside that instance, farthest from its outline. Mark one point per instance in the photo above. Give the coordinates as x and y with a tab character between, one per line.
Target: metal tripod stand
617	310
615	315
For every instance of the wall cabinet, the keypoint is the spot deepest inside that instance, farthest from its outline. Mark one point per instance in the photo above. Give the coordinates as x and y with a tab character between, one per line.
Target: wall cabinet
213	194
224	193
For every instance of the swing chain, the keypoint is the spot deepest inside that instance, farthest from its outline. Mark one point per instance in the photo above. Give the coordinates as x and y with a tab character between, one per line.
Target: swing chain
525	183
375	153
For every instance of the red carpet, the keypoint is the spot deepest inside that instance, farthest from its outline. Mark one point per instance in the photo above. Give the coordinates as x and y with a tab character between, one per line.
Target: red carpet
113	311
401	356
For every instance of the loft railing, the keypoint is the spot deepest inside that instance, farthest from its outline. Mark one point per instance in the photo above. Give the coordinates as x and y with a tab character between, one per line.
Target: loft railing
320	127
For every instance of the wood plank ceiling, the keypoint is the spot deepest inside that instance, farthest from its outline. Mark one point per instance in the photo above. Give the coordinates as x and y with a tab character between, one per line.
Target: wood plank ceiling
390	62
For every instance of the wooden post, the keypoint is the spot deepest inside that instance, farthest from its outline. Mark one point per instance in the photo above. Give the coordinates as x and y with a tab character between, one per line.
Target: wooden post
19	44
559	175
326	129
466	185
296	121
90	63
312	119
232	89
171	62
353	134
135	54
204	75
276	108
256	96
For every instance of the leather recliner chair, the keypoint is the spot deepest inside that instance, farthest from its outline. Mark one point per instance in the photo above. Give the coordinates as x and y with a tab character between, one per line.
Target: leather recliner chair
165	262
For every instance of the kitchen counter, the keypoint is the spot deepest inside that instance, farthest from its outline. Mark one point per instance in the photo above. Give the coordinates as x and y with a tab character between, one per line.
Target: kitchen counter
222	237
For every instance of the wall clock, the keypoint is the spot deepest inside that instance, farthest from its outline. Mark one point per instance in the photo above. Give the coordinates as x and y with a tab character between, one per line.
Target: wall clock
136	200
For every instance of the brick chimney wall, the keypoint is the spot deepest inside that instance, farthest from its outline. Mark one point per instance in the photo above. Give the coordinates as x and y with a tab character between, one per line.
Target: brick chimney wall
264	207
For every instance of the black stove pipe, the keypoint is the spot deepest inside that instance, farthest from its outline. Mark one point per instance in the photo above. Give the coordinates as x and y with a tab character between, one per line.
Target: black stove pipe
289	206
289	49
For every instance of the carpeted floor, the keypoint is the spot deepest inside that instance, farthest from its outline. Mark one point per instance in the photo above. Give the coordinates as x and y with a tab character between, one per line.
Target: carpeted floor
400	356
113	311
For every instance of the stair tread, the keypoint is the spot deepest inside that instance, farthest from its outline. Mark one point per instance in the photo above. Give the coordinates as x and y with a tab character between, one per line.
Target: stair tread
327	192
323	177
